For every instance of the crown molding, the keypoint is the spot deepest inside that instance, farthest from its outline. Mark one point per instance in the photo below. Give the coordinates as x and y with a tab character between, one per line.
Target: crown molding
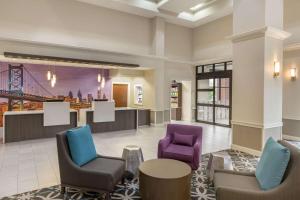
100	50
260	32
213	60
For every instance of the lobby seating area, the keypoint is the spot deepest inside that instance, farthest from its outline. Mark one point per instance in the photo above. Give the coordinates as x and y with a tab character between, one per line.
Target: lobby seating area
150	100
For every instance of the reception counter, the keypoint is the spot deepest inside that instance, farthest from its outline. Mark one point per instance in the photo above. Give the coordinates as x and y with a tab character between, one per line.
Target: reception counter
27	125
57	117
124	119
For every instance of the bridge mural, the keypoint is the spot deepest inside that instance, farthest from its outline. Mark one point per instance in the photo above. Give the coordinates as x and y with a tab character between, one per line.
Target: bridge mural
25	86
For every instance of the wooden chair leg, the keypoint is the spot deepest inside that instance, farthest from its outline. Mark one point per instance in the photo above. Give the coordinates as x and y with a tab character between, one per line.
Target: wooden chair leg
107	196
62	190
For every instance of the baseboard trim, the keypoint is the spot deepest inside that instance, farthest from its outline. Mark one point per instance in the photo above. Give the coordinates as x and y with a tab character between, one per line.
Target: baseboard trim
158	124
289	137
246	150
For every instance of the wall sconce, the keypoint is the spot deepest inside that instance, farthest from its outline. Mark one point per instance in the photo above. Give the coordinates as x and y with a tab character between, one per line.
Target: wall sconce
293	73
276	69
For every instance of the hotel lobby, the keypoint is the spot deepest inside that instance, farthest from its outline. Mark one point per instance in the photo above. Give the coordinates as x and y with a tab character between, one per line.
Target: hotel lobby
149	99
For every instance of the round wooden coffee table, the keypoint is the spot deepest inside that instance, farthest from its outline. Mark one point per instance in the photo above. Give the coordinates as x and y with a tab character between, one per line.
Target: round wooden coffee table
165	179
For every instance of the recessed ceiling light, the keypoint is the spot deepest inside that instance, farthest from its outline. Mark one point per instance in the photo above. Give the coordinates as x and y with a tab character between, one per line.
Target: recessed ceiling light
162	2
196	7
201	5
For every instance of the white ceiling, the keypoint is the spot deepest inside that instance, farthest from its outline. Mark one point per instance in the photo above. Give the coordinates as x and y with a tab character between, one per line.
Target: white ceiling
174	11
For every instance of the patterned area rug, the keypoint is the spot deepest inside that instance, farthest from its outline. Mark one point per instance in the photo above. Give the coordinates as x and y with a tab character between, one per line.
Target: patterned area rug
200	190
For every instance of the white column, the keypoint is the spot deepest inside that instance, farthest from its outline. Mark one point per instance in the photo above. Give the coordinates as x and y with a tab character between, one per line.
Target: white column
158	48
158	42
257	95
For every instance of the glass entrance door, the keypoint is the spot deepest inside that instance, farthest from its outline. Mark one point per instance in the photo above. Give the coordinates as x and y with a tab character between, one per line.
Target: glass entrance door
222	101
213	97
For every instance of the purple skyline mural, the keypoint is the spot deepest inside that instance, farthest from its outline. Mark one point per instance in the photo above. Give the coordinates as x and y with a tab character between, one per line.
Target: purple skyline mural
67	79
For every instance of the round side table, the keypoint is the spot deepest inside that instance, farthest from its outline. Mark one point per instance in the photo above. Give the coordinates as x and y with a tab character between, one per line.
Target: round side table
133	157
165	179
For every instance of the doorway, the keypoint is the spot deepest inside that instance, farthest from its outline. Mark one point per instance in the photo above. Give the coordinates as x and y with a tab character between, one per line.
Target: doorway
214	94
120	94
181	100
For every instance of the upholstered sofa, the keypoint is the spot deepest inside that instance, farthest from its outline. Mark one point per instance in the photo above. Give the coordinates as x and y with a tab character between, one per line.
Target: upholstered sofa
99	175
232	185
188	154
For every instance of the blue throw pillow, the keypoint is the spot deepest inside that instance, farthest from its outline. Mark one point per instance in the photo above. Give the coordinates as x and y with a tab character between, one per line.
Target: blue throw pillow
81	145
272	165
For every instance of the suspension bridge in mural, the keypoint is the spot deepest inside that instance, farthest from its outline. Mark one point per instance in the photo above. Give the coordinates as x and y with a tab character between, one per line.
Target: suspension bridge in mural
17	84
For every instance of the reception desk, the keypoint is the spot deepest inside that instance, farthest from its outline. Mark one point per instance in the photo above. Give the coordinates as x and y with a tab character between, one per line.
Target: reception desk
125	119
27	125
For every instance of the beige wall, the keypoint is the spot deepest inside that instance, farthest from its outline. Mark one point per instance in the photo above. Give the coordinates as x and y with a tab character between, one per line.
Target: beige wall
291	89
248	82
209	40
178	72
178	42
75	24
292	20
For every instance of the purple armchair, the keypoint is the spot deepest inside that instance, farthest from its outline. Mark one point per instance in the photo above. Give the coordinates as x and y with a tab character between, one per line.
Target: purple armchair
188	154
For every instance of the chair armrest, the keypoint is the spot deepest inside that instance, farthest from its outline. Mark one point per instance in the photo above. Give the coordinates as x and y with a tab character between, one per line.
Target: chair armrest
197	151
163	144
225	193
235	172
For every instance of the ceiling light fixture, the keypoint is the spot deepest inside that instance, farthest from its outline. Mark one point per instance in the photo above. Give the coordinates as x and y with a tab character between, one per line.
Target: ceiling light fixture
99	78
103	83
52	82
201	5
197	7
49	75
162	2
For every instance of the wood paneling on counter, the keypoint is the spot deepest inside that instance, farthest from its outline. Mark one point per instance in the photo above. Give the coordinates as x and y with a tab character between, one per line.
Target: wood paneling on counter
30	126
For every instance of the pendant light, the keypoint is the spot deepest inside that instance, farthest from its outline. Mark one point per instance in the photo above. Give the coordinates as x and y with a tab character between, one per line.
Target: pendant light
52	82
103	82
49	75
99	78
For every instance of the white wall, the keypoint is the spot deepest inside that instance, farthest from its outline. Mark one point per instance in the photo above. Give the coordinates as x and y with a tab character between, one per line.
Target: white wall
210	43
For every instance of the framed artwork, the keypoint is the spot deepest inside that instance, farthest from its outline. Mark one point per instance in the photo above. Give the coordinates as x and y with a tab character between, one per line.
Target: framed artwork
138	94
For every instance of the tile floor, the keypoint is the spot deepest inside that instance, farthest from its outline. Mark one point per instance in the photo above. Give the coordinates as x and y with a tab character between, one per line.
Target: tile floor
30	165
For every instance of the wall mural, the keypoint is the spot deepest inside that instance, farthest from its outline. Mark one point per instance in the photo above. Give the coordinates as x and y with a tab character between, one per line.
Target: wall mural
30	84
